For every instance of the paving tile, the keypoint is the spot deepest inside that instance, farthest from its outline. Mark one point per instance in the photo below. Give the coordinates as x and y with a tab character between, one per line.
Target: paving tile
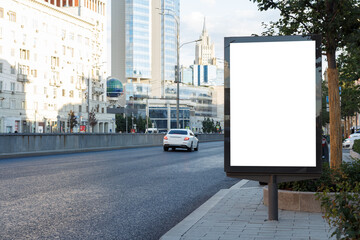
242	215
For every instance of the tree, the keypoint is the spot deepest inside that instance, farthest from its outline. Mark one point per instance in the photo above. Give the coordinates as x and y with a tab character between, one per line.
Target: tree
140	122
337	22
92	119
72	120
208	125
120	123
348	64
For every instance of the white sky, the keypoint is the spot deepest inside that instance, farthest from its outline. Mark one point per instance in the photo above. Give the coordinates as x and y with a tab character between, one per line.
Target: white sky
224	18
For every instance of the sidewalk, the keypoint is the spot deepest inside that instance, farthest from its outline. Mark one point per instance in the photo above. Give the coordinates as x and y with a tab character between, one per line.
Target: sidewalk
238	213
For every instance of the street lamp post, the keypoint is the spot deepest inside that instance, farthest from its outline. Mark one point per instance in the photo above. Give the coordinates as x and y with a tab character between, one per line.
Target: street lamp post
178	46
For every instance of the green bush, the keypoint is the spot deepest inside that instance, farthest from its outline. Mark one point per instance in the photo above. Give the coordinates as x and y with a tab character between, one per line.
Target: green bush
309	185
356	146
342	208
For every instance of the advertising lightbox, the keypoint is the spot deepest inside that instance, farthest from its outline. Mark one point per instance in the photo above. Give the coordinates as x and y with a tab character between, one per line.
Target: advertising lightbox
273	105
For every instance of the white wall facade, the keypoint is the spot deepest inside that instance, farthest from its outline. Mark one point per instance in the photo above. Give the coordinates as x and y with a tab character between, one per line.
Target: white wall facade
49	57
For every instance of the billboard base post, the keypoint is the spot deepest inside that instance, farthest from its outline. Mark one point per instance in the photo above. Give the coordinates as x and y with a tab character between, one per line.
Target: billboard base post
273	212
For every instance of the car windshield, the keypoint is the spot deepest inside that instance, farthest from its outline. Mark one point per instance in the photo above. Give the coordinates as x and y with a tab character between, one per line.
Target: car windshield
181	132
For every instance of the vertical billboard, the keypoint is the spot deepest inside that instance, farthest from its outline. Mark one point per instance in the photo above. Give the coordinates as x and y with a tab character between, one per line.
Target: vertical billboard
273	104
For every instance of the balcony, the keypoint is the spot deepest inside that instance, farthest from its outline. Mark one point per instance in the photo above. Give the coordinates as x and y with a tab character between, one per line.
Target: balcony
22	78
98	90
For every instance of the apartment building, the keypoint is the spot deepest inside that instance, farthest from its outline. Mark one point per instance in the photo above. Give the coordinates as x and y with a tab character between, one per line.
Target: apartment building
52	61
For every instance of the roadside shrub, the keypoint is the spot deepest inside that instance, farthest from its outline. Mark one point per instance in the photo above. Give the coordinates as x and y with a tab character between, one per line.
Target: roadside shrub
310	185
356	146
342	208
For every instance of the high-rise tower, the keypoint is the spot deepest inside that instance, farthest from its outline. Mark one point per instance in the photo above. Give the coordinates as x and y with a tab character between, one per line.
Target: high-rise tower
204	50
144	42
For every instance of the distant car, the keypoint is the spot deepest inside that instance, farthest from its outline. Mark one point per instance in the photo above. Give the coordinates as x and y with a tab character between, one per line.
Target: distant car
151	130
180	138
349	142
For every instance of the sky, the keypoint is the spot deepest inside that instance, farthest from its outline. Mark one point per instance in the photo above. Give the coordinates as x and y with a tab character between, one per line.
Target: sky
224	18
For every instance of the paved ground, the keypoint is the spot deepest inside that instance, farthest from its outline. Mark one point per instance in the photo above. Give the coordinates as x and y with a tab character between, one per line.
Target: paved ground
239	213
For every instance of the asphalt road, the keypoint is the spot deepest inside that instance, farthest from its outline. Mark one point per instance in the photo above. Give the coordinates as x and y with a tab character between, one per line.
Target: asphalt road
137	193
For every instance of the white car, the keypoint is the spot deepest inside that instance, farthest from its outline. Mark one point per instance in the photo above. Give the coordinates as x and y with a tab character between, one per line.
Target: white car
181	138
349	142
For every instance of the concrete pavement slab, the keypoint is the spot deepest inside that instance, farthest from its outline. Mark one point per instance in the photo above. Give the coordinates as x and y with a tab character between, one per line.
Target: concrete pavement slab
239	213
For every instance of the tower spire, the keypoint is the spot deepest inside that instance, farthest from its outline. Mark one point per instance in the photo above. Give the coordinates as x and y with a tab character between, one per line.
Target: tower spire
204	26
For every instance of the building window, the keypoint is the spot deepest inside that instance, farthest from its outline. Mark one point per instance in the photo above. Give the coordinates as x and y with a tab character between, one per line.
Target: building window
45	90
22	69
34	72
12	52
1	12
1	67
63	34
23	105
71	93
54	61
12	69
79	39
0	32
80	109
63	92
54	92
12	16
12	104
24	54
1	85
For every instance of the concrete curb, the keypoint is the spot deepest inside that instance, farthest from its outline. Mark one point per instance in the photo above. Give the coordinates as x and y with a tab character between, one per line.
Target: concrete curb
181	228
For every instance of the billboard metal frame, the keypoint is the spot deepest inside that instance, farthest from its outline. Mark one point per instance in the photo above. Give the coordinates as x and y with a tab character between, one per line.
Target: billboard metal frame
262	173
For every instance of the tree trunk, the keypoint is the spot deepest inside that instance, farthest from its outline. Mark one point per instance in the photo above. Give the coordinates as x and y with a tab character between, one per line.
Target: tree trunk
335	117
345	126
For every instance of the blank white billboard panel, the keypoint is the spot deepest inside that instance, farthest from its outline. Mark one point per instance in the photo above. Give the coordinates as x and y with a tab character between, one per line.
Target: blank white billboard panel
273	104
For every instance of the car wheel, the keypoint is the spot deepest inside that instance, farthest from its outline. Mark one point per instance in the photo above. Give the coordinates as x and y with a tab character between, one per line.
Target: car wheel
190	149
166	149
173	149
197	147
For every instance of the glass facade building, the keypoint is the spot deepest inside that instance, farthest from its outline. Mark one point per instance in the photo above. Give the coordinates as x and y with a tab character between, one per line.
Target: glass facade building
138	38
159	117
169	38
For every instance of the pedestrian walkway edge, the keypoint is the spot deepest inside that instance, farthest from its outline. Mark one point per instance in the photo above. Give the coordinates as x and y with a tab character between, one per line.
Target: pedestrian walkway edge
181	228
